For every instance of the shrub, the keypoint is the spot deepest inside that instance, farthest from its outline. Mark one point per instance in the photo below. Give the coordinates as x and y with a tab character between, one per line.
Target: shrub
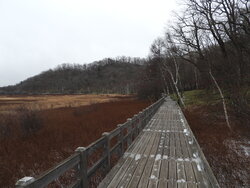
29	120
5	124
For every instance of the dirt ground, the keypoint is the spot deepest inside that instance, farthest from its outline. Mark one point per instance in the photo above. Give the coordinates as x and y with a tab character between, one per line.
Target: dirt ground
43	102
228	152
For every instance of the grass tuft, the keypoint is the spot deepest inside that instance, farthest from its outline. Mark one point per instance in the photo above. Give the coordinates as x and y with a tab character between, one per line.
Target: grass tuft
199	97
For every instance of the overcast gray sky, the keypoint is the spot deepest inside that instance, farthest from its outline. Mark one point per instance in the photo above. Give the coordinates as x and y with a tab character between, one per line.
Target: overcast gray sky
36	35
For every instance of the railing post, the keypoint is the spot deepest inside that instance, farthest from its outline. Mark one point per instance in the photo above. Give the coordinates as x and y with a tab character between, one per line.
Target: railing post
121	139
24	182
140	121
146	115
143	119
83	167
129	140
136	125
107	150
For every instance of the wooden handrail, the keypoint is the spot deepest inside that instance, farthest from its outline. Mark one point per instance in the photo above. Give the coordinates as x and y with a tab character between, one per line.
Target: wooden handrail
79	160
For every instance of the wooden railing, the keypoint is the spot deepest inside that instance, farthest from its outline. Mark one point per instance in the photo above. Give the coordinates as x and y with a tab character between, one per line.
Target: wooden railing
89	165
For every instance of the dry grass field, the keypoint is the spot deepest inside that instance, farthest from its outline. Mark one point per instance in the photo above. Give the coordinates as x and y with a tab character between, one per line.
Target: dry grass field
42	102
32	140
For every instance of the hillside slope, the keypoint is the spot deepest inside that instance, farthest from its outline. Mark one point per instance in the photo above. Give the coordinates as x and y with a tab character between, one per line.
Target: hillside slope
109	77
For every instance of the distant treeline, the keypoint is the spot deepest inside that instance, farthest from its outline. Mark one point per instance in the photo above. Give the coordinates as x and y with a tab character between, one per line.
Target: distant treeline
119	75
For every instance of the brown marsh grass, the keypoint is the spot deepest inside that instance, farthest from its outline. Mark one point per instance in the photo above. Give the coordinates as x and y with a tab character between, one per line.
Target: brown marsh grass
43	102
33	141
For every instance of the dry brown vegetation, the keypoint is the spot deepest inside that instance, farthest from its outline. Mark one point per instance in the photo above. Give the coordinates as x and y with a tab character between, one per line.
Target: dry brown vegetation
39	102
228	153
33	141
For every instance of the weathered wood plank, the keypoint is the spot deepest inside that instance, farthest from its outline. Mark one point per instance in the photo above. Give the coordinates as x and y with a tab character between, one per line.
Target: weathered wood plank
124	181
164	164
116	179
120	163
185	153
189	171
141	166
181	184
145	173
149	165
178	149
155	174
129	160
181	175
55	172
172	184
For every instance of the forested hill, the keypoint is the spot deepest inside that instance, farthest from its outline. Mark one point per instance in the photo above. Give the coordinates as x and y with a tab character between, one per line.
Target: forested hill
105	76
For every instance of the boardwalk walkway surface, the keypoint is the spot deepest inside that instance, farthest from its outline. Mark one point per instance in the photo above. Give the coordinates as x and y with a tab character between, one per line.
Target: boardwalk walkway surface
165	154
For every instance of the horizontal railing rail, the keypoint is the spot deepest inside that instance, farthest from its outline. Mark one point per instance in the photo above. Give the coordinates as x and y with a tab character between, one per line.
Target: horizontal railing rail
100	154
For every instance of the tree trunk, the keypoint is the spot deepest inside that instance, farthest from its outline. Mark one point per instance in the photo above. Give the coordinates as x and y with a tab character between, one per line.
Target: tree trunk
176	88
196	78
165	85
222	98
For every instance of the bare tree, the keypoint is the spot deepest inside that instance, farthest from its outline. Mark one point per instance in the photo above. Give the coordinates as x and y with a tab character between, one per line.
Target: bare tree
194	33
162	50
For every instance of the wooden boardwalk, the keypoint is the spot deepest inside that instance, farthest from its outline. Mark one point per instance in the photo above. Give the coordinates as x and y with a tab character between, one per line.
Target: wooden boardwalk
165	154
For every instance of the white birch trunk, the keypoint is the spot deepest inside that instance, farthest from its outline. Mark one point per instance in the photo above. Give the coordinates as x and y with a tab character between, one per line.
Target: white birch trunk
167	90
223	100
176	88
175	80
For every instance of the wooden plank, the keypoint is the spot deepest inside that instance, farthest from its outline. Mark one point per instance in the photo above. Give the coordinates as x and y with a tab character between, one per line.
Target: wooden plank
181	174
193	185
171	145
200	177
200	180
178	150
172	170
124	181
120	163
182	184
95	145
116	179
160	167
172	184
185	152
140	168
121	172
56	171
189	171
203	178
164	173
163	183
117	168
148	167
155	174
164	164
143	181
181	171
